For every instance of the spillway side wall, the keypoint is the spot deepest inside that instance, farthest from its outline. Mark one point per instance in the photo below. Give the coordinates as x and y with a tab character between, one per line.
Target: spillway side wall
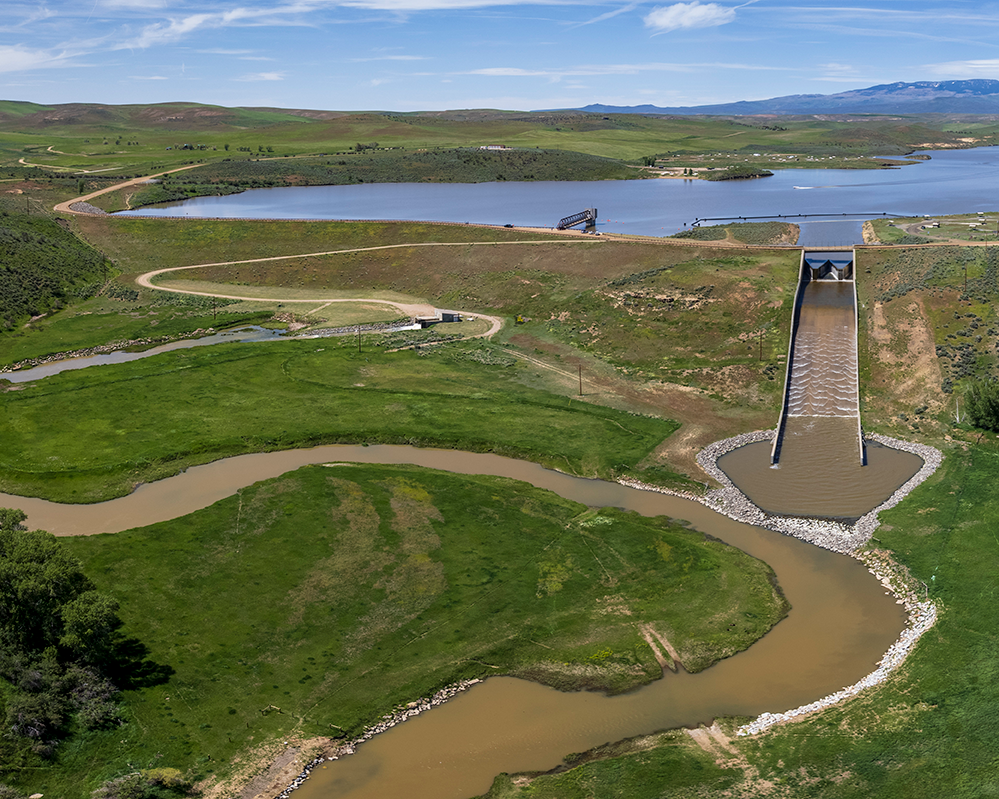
856	356
803	279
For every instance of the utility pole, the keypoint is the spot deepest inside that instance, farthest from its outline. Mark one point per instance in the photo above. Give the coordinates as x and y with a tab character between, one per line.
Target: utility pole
761	345
580	380
359	338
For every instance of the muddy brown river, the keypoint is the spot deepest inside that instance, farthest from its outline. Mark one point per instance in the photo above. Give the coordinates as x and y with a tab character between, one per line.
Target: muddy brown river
840	625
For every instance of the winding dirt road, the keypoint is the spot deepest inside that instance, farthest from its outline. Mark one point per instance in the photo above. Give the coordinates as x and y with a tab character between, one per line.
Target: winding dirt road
67	207
409	309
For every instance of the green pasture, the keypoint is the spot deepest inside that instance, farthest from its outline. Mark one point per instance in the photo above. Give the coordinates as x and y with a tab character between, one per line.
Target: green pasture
616	300
120	140
393	582
139	245
147	419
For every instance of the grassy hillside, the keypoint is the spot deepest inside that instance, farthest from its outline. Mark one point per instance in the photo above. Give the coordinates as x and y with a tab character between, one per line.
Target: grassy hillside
657	328
117	140
43	266
924	335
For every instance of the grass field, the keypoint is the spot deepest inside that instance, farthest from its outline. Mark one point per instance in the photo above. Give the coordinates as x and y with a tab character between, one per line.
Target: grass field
148	419
103	320
657	328
428	576
930	730
97	142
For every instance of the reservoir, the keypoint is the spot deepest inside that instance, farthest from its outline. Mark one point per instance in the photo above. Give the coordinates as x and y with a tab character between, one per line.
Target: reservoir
953	181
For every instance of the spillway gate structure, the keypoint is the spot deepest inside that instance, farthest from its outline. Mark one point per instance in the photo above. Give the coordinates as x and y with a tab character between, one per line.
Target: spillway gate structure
822	382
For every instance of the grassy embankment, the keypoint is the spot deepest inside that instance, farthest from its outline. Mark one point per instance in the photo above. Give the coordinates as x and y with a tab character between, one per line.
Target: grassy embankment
955	227
923	336
394	581
664	329
931	729
762	233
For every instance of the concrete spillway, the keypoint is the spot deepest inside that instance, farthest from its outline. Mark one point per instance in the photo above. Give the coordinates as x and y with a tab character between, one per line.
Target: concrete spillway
824	468
822	386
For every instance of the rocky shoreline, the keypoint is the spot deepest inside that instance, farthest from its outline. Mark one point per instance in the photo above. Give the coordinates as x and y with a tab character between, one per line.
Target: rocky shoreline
836	536
387	722
87	208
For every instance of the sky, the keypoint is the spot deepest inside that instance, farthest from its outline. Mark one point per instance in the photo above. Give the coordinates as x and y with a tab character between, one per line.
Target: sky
424	55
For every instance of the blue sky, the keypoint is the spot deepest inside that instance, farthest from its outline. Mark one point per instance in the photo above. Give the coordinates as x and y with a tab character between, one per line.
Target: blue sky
407	55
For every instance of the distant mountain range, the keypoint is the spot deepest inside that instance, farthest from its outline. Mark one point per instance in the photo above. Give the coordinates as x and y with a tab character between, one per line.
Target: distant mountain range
924	97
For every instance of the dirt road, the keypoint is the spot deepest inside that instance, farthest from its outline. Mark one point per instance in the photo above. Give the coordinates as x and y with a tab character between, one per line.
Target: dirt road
409	309
67	207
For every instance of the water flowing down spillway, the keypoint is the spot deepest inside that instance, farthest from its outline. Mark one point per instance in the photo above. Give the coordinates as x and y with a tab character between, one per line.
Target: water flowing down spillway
822	467
823	378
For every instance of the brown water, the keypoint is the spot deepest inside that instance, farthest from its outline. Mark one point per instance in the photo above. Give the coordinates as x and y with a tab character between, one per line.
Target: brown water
819	473
840	625
823	379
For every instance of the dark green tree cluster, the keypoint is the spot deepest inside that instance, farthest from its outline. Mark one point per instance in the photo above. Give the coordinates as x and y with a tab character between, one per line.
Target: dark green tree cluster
982	398
40	265
58	643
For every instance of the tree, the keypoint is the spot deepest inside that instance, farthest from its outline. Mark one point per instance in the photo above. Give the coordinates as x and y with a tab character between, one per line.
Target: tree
982	403
90	627
37	577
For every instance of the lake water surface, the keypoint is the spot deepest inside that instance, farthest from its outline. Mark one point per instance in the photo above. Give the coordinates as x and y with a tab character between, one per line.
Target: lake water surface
952	181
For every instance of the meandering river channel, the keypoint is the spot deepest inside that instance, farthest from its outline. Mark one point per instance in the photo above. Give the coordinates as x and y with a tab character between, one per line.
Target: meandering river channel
840	625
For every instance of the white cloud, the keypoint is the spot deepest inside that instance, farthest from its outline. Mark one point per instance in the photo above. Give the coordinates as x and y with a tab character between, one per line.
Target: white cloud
15	58
259	76
975	68
389	58
835	71
404	6
135	4
610	69
148	77
683	16
178	28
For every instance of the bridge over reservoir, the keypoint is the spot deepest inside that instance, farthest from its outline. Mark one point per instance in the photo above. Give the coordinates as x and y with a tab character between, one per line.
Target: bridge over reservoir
821	390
